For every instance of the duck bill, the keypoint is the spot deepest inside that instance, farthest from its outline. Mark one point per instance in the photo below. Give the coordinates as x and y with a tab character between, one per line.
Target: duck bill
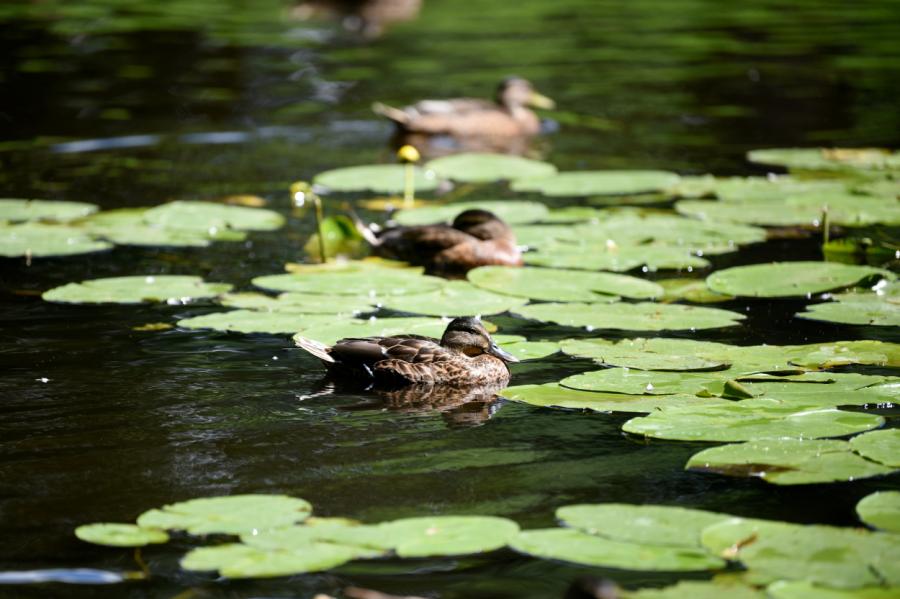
503	355
541	101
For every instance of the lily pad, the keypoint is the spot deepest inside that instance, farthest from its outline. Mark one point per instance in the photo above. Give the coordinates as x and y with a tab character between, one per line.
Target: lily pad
302	303
530	350
582	548
448	535
456	298
379	178
790	279
631	317
691	290
513	212
114	534
693	589
880	446
797	211
788	461
371	282
802	589
329	331
615	258
172	289
589	183
126	226
235	514
641	382
750	420
553	395
18	210
642	354
212	217
827	159
750	189
650	524
862	309
479	167
236	560
562	285
39	240
256	321
881	510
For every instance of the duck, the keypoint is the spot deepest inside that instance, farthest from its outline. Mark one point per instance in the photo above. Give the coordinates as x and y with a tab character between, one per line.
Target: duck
507	116
475	238
465	355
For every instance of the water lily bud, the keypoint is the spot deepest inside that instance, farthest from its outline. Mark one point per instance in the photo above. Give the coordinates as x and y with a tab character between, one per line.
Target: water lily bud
408	153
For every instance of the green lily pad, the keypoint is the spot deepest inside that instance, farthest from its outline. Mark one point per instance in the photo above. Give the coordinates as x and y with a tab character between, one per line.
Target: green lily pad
581	548
456	298
114	534
380	178
530	350
827	159
862	309
235	514
171	289
126	226
302	303
788	461
691	290
510	211
448	535
802	589
826	555
750	420
479	167
39	240
650	524
641	382
211	217
615	258
563	285
329	331
17	210
750	189
881	510
256	321
573	214
643	354
552	395
371	282
692	589
790	279
853	211
589	183
242	561
883	187
643	316
880	446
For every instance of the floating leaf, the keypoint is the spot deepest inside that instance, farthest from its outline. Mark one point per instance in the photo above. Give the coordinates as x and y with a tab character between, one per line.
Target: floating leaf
643	354
793	212
447	535
750	420
691	589
126	226
563	285
119	535
16	210
303	303
379	178
615	258
513	212
256	321
476	167
235	514
581	548
371	282
555	396
880	446
827	159
588	183
631	317
651	524
642	382
38	240
861	309
691	290
802	589
881	510
788	461
211	217
242	561
170	289
750	189
328	331
790	279
530	350
456	298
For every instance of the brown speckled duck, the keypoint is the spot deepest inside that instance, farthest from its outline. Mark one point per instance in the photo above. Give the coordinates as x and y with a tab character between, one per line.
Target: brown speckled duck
465	355
476	238
507	116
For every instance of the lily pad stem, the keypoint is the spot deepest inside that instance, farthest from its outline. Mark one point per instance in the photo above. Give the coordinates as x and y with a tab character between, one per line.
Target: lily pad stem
317	202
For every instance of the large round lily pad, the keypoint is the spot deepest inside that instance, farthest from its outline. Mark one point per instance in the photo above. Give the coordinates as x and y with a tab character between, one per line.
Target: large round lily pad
582	548
126	226
750	420
562	285
615	258
881	510
456	298
861	309
880	446
512	212
642	382
136	289
373	282
643	316
212	217
827	159
643	354
256	321
40	240
803	589
795	211
790	279
553	395
380	178
788	461
447	535
695	589
329	331
301	303
235	514
481	167
236	560
589	183
18	210
114	534
651	524
749	189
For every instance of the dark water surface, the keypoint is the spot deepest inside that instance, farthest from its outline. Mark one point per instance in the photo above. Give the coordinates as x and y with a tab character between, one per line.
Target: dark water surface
134	103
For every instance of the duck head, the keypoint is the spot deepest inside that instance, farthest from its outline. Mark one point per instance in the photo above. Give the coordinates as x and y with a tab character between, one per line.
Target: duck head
515	92
482	224
467	335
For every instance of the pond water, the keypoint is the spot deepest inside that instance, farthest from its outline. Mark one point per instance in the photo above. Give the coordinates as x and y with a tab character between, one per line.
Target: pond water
126	103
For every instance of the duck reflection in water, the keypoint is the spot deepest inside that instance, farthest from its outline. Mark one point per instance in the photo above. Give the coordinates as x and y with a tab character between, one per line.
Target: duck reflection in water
458	375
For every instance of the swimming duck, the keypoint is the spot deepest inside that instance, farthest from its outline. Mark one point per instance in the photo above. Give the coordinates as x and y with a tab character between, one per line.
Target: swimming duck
476	238
507	116
465	355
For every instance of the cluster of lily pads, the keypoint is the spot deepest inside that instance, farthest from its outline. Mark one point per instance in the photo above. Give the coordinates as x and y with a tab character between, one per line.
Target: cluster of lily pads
277	536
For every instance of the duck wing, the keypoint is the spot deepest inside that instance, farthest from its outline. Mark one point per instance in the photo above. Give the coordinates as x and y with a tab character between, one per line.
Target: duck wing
459	116
419	245
367	351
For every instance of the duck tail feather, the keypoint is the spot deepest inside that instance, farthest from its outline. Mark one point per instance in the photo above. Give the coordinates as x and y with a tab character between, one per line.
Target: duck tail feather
319	350
395	114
